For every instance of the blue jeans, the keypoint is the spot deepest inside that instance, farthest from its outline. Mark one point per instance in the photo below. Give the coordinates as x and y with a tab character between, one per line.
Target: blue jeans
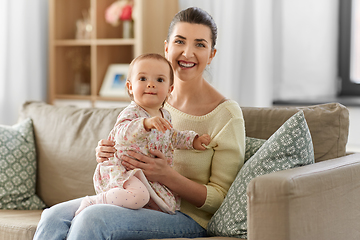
104	221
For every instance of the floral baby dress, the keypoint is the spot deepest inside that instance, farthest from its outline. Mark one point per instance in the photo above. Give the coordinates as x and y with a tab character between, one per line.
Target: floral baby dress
129	134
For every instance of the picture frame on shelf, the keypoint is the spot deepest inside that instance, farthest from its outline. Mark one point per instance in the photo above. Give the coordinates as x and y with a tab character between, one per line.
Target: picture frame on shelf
115	81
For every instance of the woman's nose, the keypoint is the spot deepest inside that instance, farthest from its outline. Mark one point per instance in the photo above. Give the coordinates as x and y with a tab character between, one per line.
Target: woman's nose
188	52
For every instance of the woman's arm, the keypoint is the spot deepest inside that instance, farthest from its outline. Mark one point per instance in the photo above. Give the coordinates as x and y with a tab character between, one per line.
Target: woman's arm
157	170
227	160
187	189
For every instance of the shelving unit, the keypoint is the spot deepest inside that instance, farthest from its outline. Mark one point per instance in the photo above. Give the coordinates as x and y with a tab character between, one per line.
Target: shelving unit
77	67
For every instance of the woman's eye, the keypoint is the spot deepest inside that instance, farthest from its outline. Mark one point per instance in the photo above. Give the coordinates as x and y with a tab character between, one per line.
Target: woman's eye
160	80
179	41
200	45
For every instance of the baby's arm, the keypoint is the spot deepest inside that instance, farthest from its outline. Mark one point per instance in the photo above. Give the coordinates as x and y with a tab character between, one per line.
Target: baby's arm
158	123
200	140
189	140
129	126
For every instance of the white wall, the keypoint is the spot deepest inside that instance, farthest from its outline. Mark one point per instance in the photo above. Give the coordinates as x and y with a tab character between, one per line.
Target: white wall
307	56
23	55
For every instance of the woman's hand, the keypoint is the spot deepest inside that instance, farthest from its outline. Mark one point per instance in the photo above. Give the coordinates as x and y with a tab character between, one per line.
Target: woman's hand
105	150
155	169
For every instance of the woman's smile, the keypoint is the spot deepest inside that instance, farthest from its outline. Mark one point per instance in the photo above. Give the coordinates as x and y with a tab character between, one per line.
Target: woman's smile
185	64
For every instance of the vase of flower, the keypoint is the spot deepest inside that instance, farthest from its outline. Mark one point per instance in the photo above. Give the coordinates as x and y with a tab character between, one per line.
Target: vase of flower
121	11
127	29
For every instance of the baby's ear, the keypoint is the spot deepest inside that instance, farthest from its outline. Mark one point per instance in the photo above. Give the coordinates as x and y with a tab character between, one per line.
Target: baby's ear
129	86
165	48
171	88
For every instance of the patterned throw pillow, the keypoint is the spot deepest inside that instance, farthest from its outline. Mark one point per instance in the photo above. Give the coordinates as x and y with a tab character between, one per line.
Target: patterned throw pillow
18	167
252	146
290	146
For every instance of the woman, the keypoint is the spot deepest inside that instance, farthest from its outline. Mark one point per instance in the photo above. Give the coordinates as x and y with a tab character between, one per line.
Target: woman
201	179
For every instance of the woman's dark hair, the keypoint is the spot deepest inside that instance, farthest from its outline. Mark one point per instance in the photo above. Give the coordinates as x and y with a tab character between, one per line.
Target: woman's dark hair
197	16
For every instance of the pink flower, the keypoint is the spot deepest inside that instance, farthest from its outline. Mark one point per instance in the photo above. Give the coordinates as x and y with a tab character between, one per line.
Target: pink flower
126	13
119	10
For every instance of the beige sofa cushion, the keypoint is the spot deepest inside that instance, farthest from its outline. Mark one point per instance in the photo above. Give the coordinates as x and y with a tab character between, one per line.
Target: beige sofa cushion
66	138
18	224
328	124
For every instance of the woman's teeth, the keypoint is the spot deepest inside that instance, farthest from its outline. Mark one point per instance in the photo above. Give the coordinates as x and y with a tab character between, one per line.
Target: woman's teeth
186	65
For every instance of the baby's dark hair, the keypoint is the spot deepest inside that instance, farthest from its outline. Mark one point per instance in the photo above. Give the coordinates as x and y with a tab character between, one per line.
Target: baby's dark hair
197	16
154	56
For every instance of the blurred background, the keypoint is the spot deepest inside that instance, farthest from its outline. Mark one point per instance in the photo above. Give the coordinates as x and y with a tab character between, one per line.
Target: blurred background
268	51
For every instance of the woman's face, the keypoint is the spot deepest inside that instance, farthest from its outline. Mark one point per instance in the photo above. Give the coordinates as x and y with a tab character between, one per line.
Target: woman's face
189	50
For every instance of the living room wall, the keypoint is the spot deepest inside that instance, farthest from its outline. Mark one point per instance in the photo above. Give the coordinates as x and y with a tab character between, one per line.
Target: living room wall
308	48
23	55
267	50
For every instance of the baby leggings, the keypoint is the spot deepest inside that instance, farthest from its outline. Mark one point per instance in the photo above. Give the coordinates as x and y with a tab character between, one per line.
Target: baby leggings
134	195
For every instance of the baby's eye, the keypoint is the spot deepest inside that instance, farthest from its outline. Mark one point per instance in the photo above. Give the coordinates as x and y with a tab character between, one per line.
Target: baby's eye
160	80
142	79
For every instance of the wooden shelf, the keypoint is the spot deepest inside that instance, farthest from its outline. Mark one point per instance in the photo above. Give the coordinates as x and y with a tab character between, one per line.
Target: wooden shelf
73	96
121	99
89	42
116	41
92	98
72	42
77	67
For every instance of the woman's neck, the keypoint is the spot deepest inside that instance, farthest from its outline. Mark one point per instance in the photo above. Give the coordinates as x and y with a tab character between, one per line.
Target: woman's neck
188	91
194	97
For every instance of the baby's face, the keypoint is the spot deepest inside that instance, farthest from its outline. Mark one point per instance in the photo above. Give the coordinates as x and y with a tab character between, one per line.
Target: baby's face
150	83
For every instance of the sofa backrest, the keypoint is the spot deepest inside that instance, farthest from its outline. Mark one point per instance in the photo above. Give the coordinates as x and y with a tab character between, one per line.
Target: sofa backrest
328	124
66	138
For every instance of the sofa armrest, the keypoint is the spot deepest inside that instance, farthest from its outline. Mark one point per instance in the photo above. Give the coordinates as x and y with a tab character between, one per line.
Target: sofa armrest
315	202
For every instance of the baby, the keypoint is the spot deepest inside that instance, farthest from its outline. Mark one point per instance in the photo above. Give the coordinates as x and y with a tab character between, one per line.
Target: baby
142	126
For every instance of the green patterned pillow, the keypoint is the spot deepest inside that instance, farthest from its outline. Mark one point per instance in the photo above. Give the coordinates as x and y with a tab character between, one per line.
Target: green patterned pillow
290	146
18	167
252	146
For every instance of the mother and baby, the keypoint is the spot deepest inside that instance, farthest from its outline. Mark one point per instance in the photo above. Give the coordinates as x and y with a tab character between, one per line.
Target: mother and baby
144	188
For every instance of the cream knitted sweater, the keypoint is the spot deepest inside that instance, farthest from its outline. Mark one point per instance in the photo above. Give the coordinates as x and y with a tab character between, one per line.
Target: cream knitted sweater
217	166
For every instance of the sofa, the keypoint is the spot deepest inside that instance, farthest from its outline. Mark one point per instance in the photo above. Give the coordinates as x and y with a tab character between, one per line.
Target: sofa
320	201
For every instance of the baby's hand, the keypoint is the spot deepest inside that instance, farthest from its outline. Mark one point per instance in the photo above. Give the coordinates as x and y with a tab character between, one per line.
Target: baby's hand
200	140
158	123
